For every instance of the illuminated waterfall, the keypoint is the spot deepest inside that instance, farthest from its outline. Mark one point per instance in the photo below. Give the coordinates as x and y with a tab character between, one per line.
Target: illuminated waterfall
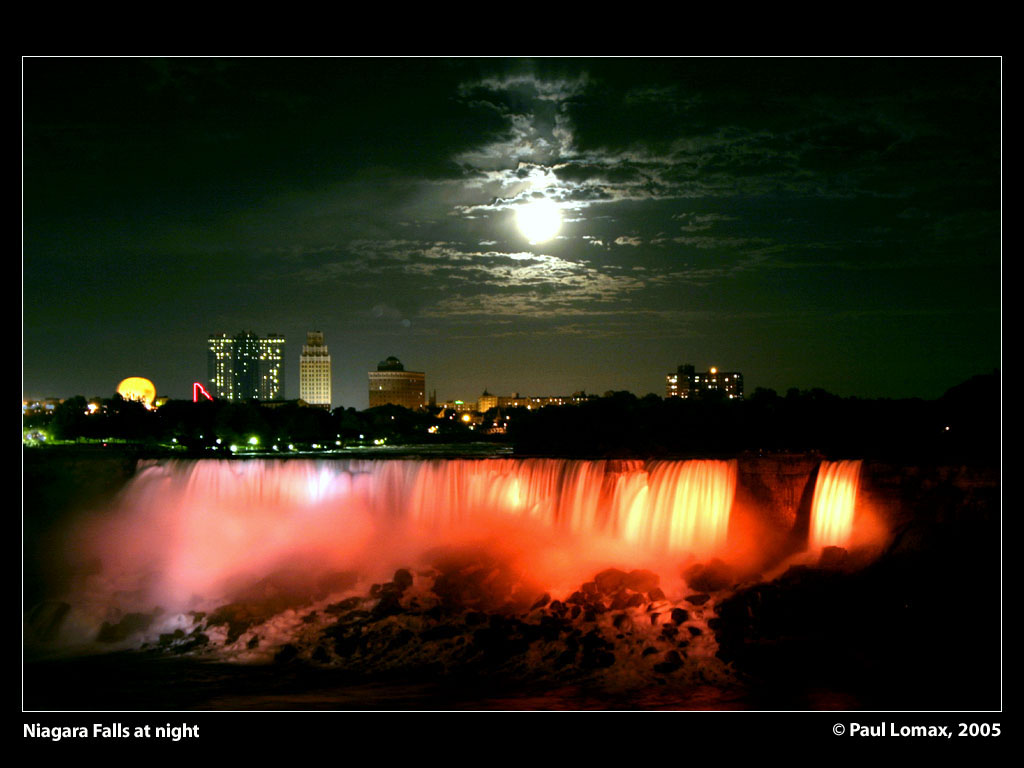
664	505
835	498
184	529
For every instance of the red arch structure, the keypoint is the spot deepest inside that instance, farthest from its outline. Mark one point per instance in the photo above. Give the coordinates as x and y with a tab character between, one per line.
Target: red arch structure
199	389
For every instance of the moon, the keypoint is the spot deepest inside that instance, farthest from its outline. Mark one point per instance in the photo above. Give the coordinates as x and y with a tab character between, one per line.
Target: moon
539	221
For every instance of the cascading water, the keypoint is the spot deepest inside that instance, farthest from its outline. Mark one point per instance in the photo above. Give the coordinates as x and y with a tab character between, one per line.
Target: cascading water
542	570
835	500
186	535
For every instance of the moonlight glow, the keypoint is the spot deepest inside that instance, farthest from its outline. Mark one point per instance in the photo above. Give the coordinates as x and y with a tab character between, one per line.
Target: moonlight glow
539	221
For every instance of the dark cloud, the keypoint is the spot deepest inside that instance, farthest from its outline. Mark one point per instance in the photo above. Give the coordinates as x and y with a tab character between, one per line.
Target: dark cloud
712	208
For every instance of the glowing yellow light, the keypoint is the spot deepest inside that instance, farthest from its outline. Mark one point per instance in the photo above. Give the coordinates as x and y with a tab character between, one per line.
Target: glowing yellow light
539	221
466	417
139	389
714	370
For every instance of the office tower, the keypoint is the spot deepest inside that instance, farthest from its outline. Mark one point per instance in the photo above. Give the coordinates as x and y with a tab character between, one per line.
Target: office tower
391	384
246	367
686	383
315	371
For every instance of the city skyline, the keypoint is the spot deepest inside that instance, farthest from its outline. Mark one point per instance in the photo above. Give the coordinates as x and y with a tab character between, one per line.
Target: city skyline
540	226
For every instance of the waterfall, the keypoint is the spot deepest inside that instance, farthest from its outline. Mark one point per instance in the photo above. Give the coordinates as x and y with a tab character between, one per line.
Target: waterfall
835	498
186	529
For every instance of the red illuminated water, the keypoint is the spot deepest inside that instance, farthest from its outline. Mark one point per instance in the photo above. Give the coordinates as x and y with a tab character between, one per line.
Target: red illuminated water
188	530
835	500
246	555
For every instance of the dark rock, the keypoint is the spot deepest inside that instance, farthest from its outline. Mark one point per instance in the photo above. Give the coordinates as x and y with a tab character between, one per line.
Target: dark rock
401	639
345	605
656	594
287	654
597	660
654	618
642	581
441	632
649	650
590	615
238	617
374	590
622	622
695	631
712	577
496	645
590	588
679	616
531	633
309	618
355	616
610	581
594	641
475	618
577	598
197	641
254	642
625	600
321	655
390	589
672	662
346	645
541	602
402	579
565	658
576	611
389	605
170	637
129	624
833	558
669	631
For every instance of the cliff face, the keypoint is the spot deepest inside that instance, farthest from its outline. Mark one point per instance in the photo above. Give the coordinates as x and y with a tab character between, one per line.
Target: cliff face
779	491
890	631
778	486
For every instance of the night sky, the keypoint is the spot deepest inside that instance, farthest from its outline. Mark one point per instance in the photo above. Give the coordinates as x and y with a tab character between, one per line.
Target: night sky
827	223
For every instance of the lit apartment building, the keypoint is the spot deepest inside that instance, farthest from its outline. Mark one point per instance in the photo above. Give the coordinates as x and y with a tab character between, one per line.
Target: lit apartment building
686	383
246	367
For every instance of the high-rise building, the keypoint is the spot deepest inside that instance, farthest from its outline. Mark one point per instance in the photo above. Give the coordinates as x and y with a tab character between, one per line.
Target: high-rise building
246	367
315	371
391	384
687	383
